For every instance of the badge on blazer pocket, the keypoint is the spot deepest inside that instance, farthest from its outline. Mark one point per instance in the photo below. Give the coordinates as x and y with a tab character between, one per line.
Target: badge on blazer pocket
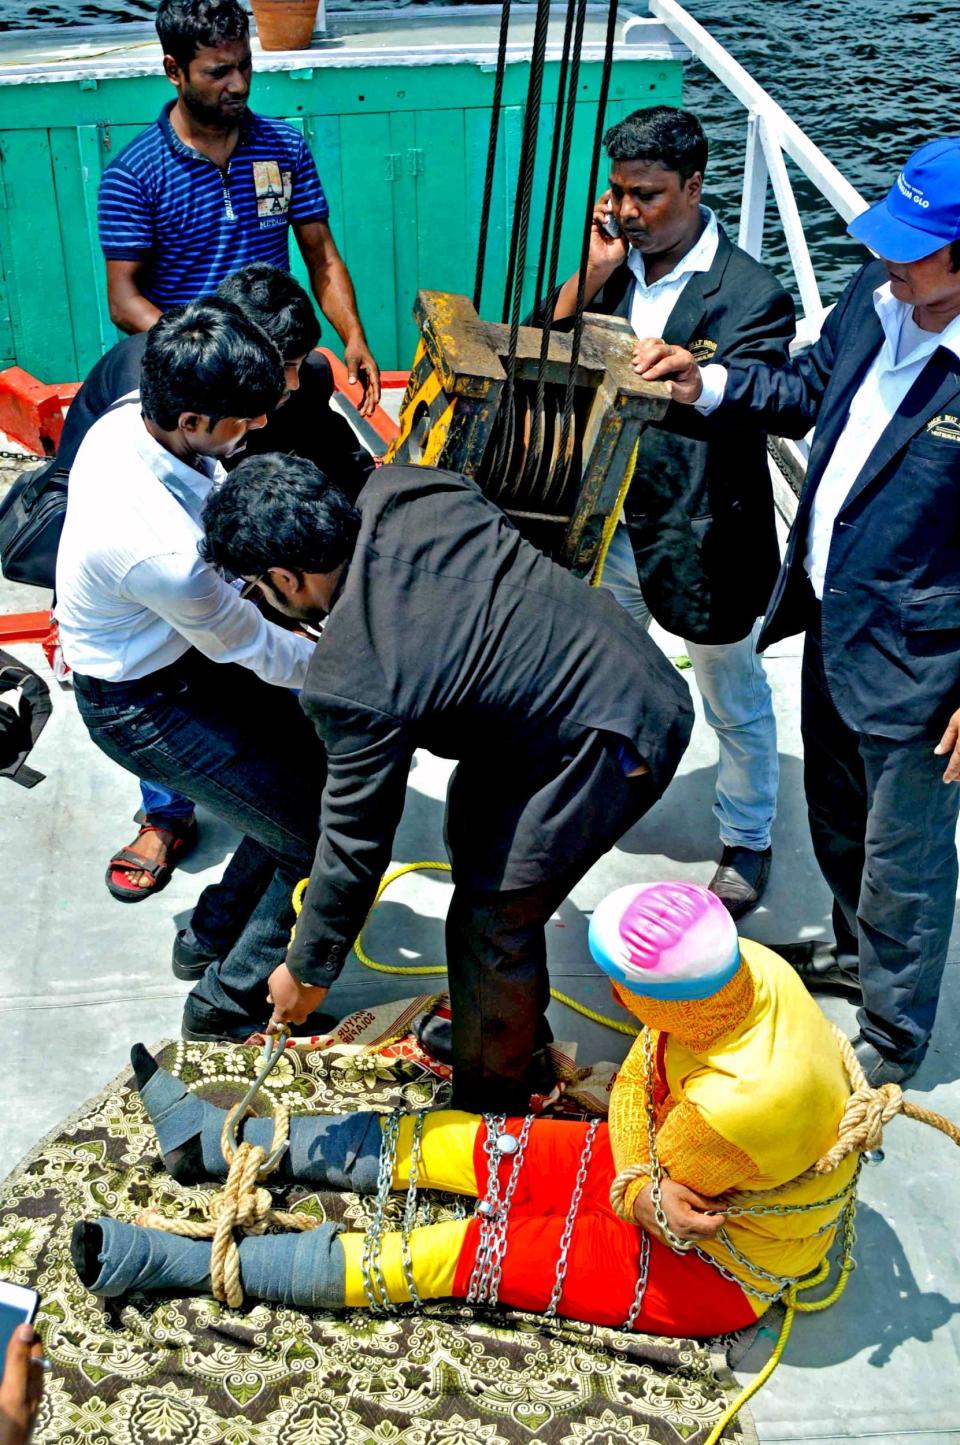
703	350
946	426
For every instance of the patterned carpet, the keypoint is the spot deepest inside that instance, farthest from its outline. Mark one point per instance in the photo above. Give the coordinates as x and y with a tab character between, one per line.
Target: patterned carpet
177	1371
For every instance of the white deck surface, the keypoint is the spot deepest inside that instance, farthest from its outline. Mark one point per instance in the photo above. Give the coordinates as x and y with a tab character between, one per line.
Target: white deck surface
84	976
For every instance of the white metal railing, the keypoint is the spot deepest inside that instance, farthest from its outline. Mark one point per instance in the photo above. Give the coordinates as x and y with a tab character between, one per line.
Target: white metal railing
771	134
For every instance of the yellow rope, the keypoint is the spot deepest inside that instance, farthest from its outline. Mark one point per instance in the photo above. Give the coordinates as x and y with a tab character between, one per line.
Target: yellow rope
735	1406
610	525
437	970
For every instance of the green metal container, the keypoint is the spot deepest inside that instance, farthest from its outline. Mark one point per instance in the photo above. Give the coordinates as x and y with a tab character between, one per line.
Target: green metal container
396	111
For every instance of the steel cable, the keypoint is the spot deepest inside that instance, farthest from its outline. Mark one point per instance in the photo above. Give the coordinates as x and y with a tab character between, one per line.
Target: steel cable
554	203
491	152
568	402
521	229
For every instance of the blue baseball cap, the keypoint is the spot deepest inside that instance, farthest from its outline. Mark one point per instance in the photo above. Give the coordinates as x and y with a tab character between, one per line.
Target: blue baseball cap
921	211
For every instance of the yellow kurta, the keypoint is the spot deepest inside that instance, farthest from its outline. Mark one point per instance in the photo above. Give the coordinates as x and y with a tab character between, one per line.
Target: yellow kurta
757	1089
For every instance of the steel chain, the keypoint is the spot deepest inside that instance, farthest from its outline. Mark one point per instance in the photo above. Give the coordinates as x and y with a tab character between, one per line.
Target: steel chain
486	1209
410	1208
374	1284
683	1246
499	1250
567	1234
680	1246
641	1289
494	1213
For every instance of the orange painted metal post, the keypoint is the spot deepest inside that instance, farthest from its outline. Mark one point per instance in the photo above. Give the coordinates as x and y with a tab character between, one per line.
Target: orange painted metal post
31	412
381	422
25	626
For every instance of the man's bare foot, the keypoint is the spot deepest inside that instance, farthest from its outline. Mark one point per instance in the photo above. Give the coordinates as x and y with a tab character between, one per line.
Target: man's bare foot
159	850
21	1387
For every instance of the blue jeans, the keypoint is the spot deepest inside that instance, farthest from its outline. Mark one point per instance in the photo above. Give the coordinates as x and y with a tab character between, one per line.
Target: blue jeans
158	803
883	826
736	703
247	753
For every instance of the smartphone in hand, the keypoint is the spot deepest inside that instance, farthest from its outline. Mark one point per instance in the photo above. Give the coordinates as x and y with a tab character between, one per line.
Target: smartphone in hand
611	225
18	1306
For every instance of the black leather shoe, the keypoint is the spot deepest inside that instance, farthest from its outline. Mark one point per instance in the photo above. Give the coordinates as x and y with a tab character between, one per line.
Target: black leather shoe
435	1034
878	1069
207	1025
741	878
190	961
816	963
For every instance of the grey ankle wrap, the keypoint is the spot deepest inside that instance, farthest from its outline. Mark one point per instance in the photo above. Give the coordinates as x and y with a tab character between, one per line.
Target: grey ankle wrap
341	1151
306	1270
132	1257
178	1116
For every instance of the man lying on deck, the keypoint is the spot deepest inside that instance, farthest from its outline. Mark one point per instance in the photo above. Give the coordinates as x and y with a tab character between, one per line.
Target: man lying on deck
448	631
740	1072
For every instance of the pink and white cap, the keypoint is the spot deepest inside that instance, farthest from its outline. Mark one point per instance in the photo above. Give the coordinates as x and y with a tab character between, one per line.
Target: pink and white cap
665	940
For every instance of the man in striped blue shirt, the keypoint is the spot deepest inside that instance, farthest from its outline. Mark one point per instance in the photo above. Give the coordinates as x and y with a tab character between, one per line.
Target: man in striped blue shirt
210	187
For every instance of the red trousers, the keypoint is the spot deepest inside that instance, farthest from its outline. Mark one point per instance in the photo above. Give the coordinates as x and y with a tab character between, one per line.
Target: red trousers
685	1295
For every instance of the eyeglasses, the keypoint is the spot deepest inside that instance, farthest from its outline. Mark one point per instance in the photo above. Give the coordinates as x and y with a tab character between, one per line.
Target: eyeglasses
248	588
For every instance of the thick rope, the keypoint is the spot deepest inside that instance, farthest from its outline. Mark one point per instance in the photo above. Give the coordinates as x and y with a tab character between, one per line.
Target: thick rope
867	1112
241	1205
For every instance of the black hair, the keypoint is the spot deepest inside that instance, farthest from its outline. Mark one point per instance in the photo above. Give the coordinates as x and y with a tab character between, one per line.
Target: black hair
955	255
208	358
661	133
185	25
276	510
277	303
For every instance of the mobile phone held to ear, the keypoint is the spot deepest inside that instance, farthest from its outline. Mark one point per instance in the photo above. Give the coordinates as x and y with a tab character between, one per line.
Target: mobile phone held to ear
18	1306
611	225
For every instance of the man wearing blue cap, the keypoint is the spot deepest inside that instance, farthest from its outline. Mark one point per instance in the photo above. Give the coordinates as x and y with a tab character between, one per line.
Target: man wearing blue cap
872	575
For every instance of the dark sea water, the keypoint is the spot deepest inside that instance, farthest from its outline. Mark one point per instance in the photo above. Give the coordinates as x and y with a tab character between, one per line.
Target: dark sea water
868	80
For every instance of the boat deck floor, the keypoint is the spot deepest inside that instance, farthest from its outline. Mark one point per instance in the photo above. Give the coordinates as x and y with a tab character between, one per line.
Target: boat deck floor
82	977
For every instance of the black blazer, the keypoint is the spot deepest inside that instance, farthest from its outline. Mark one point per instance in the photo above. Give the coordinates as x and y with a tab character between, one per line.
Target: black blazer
890	620
700	510
452	633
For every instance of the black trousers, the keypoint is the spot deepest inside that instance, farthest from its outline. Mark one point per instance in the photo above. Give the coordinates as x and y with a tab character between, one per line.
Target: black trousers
883	826
495	938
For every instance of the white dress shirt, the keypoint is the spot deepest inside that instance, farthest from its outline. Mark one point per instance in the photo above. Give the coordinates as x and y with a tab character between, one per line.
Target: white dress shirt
650	306
905	351
133	593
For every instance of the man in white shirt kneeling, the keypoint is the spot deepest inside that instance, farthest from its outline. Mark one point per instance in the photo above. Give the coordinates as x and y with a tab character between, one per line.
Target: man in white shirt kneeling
178	678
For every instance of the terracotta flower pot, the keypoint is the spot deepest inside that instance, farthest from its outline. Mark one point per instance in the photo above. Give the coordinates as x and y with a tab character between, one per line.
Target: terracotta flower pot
284	24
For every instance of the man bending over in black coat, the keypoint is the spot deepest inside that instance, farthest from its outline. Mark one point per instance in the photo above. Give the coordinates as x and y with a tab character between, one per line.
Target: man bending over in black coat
448	631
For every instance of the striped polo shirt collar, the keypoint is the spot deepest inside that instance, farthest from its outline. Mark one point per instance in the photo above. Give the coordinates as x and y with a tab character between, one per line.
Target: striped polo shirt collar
190	153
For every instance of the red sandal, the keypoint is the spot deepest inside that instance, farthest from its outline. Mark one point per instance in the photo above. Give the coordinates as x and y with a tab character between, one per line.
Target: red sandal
179	842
